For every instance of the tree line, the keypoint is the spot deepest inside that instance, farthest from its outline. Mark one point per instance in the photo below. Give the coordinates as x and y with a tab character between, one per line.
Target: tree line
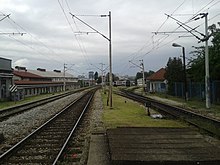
196	66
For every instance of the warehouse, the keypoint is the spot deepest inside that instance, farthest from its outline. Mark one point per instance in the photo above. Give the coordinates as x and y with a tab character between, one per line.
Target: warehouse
5	78
40	81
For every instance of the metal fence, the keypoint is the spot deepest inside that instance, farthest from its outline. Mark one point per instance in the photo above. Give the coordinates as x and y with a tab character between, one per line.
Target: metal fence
196	90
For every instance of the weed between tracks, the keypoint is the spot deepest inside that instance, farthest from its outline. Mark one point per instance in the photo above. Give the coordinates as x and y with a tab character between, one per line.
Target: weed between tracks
127	113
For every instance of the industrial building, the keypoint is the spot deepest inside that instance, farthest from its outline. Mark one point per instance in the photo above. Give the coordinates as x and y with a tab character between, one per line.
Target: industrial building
40	81
5	78
18	83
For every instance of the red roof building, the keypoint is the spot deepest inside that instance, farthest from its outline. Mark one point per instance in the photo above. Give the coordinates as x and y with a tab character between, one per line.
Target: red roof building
29	84
157	81
27	76
157	76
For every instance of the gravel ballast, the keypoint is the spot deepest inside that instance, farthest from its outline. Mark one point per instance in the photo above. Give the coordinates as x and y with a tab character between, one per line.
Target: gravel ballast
19	126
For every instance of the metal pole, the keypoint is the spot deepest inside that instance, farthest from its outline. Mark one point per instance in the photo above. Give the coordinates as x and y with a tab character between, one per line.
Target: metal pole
102	77
184	70
64	78
110	62
143	74
207	83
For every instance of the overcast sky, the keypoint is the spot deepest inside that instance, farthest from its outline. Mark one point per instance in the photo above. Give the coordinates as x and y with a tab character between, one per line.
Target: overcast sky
51	34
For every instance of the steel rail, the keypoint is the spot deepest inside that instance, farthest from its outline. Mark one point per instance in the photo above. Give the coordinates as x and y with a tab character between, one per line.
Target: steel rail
72	131
19	145
206	123
8	112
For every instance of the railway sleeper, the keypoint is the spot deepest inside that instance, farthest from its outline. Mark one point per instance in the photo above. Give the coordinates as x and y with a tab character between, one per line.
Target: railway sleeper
43	146
36	153
28	160
50	131
58	128
43	141
56	136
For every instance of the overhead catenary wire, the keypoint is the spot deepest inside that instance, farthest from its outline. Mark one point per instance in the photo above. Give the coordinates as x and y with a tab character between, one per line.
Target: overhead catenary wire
159	43
204	7
17	26
79	42
168	17
32	48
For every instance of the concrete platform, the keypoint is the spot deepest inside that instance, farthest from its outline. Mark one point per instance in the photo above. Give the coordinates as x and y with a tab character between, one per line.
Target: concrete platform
98	150
160	146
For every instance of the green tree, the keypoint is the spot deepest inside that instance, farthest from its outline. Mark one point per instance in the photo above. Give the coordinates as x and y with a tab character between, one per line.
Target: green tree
138	76
96	75
214	52
197	63
174	73
99	80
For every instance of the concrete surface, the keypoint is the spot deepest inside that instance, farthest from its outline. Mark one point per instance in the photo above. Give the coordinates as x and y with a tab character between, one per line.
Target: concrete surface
98	151
160	146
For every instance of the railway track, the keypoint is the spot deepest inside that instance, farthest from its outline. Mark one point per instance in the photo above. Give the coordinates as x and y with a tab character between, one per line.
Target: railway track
47	143
8	112
208	124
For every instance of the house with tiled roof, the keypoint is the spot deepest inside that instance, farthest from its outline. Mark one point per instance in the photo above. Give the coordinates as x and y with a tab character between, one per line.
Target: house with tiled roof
157	81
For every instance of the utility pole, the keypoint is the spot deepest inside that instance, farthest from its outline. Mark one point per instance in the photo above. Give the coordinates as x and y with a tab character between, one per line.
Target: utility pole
142	68
142	64
205	39
64	78
207	82
110	49
102	75
110	61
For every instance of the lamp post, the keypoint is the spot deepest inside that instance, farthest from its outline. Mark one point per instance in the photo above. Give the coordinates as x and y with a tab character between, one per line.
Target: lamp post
184	69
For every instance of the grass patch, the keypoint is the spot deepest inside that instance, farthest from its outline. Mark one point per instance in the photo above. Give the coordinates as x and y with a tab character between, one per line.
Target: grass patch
192	104
131	114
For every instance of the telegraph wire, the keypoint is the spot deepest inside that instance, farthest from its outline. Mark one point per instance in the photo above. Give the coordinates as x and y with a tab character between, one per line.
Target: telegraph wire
171	14
80	43
66	16
35	38
82	49
162	38
159	42
213	4
40	53
190	19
